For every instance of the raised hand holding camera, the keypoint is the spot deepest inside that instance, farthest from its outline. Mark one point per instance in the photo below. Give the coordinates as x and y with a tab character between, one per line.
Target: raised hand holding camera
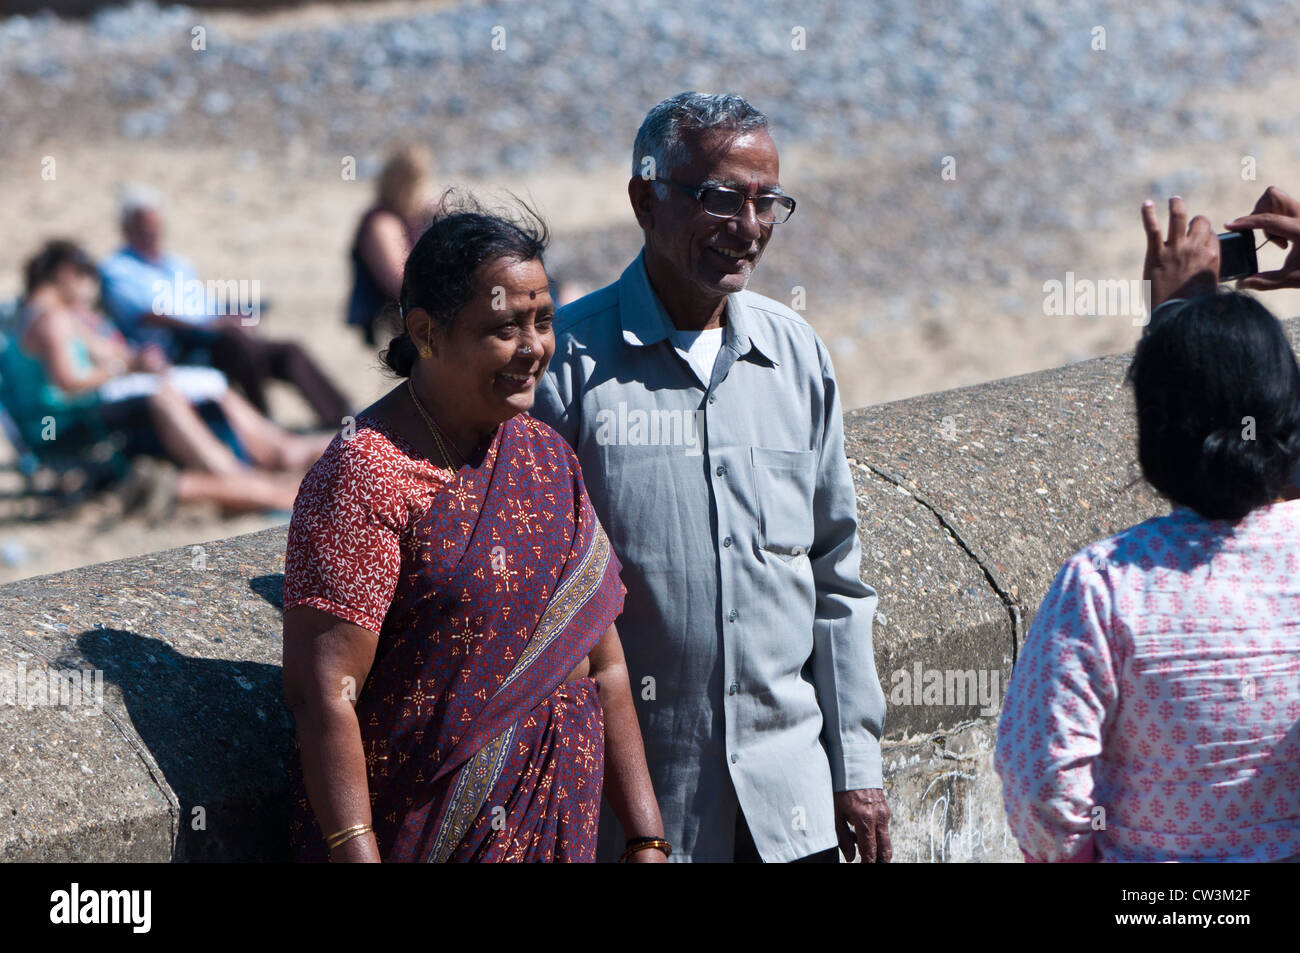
1278	216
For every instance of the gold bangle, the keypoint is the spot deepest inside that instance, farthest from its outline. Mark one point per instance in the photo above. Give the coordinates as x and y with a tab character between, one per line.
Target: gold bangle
347	830
339	843
658	843
342	837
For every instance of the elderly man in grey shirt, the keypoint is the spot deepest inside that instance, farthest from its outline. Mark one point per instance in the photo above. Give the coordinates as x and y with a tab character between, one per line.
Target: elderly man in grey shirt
709	428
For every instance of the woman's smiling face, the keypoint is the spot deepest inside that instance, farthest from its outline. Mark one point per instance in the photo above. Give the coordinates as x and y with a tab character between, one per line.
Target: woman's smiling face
499	344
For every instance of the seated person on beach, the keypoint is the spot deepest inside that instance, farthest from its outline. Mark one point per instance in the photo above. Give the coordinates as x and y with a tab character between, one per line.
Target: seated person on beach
1151	715
384	237
154	404
189	333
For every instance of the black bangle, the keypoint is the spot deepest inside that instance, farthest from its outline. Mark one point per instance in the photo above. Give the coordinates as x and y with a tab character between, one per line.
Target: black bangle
633	841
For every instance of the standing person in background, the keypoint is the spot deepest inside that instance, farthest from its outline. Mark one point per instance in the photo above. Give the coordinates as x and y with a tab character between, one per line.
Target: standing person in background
747	628
385	235
131	279
1157	691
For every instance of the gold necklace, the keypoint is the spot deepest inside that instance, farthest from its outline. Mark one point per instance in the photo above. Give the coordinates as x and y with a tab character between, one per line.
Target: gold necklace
433	428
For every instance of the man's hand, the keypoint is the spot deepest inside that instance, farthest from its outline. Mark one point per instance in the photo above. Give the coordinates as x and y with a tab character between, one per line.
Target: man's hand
1278	216
1184	265
868	814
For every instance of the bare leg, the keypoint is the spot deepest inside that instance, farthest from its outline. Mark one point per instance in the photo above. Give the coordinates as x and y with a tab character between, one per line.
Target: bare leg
270	445
185	435
247	492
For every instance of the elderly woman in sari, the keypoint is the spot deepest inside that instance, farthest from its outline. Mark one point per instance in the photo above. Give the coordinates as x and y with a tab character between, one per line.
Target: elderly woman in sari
450	656
1152	713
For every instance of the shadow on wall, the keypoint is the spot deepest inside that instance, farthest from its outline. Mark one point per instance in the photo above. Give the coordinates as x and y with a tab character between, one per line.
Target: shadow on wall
270	588
193	716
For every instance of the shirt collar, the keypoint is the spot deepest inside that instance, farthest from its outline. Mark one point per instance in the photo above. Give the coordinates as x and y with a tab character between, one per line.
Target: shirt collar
646	322
747	330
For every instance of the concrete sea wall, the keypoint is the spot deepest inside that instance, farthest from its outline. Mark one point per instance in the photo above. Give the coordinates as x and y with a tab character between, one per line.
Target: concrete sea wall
968	500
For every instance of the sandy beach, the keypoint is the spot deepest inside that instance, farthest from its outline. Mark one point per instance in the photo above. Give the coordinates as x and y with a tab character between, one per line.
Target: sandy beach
284	216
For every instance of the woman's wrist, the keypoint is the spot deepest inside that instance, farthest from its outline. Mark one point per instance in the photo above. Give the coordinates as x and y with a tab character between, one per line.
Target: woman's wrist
637	844
361	851
358	849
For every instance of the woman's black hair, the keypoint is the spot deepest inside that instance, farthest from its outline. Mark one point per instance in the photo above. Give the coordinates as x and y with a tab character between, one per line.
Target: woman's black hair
441	274
1217	389
42	267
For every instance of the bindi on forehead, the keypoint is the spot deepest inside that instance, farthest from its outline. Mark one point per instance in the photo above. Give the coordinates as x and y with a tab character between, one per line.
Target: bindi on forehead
517	298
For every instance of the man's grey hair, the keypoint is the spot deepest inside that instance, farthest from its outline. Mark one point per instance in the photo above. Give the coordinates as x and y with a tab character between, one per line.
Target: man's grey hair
660	142
138	198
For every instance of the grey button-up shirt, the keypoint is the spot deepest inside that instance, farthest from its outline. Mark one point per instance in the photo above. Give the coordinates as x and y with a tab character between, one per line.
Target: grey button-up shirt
747	628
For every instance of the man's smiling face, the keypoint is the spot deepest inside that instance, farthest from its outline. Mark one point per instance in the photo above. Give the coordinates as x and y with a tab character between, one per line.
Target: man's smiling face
712	256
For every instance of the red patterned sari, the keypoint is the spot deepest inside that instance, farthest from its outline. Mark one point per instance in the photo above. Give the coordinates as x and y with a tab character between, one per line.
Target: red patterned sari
487	588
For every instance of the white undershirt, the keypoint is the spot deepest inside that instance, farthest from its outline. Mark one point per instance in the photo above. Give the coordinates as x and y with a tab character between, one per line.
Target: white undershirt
701	349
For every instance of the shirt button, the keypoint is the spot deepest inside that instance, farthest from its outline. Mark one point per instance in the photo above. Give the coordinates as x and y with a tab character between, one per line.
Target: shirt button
721	471
731	616
733	689
735	758
713	398
727	541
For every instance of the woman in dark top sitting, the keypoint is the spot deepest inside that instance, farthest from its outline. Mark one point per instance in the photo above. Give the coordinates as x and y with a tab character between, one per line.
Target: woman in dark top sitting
387	232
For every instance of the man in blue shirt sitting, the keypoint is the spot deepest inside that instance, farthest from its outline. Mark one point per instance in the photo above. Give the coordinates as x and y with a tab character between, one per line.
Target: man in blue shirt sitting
155	297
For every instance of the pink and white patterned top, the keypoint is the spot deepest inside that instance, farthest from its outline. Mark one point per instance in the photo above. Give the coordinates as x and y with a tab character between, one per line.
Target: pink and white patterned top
1154	710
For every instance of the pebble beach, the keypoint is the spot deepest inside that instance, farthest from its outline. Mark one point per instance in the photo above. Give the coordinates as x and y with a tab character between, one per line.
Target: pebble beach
949	160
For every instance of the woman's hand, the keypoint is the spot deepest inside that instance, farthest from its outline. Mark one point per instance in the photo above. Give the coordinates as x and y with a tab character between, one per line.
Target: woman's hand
1185	264
1277	215
359	850
651	855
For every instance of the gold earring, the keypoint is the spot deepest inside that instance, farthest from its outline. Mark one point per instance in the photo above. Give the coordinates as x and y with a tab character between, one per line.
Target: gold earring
425	350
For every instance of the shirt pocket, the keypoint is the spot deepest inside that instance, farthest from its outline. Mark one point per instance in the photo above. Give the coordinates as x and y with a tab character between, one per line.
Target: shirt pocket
784	483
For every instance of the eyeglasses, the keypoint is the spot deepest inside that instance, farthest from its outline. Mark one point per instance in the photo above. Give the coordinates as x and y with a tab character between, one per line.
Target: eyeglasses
723	202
